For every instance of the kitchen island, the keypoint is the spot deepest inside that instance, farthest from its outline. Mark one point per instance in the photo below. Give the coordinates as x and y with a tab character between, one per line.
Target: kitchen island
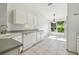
9	47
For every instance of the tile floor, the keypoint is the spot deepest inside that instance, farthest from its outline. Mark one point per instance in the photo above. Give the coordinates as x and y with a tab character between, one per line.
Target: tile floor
49	46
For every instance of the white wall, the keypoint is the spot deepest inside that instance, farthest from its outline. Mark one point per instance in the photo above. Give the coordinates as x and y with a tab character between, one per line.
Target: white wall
60	10
3	14
73	26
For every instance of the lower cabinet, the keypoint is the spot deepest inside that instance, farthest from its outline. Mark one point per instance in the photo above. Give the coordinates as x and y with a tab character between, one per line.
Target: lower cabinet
29	40
38	36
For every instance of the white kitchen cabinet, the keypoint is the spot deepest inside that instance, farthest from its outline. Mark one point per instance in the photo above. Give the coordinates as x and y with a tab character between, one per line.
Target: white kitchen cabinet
30	19
3	14
29	39
38	36
35	24
19	16
33	37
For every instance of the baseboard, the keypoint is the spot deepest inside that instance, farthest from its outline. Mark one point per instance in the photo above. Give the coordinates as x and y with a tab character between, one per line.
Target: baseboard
72	52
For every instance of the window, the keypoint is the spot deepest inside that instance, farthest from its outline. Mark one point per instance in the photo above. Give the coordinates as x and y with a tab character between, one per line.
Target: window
53	27
57	27
60	26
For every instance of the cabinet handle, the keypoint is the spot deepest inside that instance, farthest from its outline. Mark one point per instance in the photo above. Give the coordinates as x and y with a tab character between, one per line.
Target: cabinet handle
76	14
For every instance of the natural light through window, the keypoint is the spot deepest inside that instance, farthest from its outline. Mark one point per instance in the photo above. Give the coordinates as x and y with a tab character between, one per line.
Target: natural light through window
57	38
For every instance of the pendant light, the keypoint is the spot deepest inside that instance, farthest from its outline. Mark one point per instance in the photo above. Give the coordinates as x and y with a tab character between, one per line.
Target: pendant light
54	17
49	4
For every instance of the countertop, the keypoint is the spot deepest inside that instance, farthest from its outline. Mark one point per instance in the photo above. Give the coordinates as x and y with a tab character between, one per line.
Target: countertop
15	32
7	45
23	31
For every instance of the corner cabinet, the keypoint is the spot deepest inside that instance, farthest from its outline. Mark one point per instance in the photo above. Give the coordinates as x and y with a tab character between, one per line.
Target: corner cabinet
19	17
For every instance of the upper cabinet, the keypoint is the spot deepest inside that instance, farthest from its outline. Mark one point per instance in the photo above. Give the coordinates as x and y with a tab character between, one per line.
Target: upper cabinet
32	20
19	17
3	12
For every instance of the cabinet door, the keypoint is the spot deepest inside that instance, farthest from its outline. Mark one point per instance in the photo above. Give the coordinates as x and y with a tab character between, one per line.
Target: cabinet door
19	17
35	24
30	19
27	41
33	36
38	36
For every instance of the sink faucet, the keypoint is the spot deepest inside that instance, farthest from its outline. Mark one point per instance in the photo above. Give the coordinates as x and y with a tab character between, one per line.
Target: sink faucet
3	29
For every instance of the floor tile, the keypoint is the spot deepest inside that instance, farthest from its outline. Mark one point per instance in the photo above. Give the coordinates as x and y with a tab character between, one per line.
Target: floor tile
49	46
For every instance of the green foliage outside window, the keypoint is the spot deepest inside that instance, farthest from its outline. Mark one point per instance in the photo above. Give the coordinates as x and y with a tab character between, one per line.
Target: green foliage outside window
60	26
